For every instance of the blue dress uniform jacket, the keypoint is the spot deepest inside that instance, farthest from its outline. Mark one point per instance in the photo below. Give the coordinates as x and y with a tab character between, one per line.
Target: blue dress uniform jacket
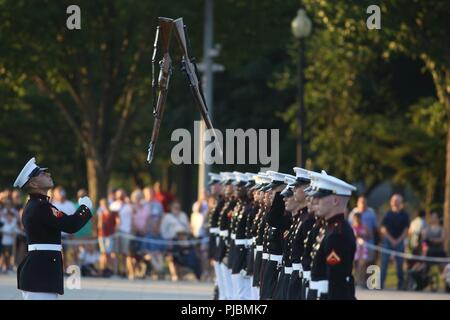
214	223
42	271
278	222
224	225
239	262
250	233
333	260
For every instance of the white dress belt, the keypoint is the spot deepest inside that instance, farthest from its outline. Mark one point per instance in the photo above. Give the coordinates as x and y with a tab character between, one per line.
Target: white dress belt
44	246
307	275
240	242
321	286
297	267
265	256
259	248
276	257
223	233
249	242
287	270
233	236
214	230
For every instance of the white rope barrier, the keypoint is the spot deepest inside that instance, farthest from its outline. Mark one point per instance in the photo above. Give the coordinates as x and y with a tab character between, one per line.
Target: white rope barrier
163	241
406	255
132	237
73	242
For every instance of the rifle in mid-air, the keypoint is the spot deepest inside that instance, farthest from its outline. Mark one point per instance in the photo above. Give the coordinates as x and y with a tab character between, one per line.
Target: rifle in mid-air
162	83
189	67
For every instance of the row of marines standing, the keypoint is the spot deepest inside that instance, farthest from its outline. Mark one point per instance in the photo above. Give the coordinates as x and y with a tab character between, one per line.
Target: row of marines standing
280	236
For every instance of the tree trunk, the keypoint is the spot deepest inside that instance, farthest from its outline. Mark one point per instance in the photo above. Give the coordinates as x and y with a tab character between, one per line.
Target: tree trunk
447	175
441	78
429	193
97	180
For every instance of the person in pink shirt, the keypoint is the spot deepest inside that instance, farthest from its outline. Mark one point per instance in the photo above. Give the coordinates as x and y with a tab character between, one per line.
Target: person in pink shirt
141	213
361	234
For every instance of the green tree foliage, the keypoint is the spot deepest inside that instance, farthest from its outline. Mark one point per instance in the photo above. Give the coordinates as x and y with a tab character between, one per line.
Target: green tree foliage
374	98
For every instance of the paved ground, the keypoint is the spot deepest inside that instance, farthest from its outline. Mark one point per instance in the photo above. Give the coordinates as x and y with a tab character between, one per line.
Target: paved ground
121	289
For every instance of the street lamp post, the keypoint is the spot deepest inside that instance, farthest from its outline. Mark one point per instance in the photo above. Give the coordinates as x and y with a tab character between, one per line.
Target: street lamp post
301	29
208	68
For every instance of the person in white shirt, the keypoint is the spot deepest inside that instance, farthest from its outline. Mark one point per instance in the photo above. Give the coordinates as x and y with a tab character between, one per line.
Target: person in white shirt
59	200
89	259
9	230
174	221
199	227
125	212
197	221
417	226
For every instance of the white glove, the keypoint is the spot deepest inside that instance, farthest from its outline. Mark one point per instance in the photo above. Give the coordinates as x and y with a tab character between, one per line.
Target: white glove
86	201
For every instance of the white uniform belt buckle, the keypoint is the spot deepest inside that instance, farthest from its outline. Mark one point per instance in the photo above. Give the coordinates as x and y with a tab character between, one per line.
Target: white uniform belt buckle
276	257
288	270
44	247
265	256
259	248
321	286
249	242
307	275
223	233
297	267
214	230
233	236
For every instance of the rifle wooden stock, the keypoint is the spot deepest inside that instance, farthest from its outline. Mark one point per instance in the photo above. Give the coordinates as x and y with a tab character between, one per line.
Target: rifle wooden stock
165	26
181	36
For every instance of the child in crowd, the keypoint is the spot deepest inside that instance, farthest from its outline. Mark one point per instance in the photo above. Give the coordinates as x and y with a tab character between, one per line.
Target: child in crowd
361	234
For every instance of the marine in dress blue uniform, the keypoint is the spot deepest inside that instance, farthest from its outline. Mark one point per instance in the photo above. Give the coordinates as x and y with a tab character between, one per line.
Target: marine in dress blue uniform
287	223
223	248
213	231
332	255
241	281
278	221
40	274
260	224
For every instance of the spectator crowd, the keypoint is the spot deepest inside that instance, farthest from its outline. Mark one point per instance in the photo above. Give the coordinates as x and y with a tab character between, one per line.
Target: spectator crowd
143	234
137	235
